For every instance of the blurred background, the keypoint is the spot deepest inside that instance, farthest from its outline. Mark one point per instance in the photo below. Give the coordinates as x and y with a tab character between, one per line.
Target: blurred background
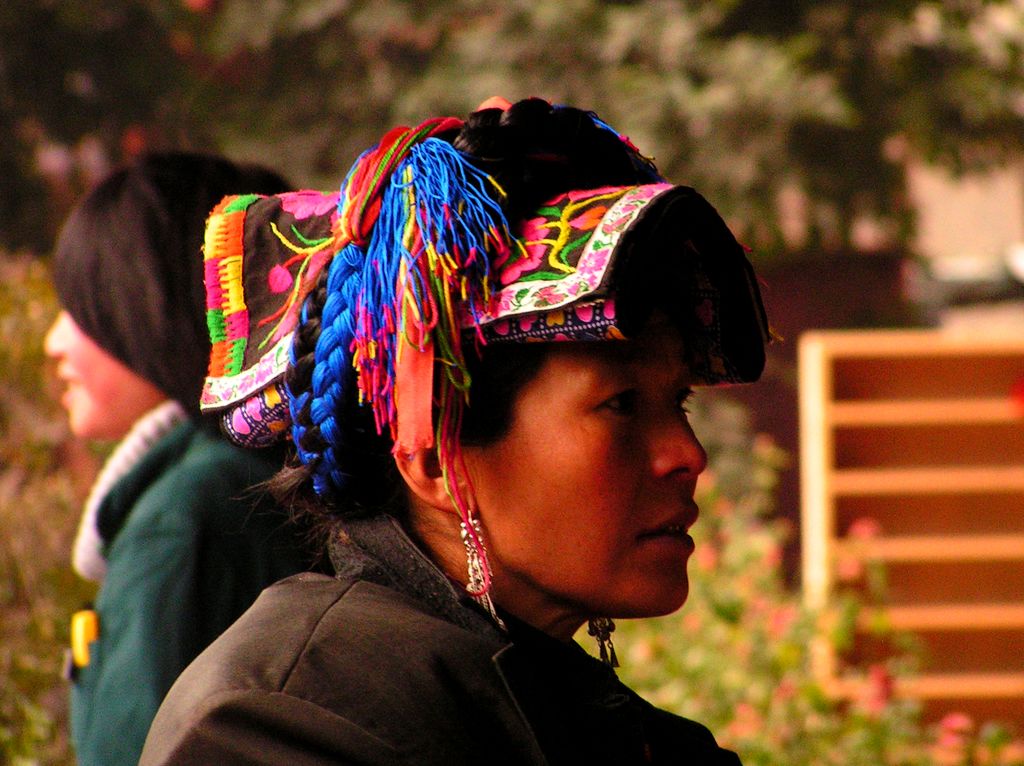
869	152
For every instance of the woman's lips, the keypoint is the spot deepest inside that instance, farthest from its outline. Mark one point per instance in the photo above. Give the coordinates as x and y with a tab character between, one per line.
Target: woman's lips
677	526
670	539
674	529
670	530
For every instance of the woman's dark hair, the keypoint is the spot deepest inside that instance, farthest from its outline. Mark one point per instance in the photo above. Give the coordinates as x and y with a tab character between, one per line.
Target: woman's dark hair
128	264
534	151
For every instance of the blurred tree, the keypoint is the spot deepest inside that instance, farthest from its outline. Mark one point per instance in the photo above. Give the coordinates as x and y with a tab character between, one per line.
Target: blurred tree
942	79
795	117
81	84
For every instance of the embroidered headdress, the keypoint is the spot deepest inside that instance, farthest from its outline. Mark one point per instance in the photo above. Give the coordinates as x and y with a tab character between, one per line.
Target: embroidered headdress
420	267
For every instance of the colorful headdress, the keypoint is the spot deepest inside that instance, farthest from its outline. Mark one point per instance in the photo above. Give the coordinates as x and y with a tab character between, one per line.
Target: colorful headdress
593	264
421	264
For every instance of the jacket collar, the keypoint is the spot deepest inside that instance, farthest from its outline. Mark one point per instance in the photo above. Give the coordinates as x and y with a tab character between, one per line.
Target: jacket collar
378	549
109	501
574	706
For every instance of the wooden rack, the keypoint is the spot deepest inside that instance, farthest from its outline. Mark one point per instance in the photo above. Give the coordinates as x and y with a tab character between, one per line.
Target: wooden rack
922	432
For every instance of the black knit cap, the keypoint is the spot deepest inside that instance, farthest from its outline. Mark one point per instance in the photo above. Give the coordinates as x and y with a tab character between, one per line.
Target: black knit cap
128	264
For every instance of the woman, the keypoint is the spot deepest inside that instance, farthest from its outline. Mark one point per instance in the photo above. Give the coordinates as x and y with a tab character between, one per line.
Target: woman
178	546
485	496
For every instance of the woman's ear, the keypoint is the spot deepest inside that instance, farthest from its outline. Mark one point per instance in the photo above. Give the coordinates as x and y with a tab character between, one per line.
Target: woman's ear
422	473
432	516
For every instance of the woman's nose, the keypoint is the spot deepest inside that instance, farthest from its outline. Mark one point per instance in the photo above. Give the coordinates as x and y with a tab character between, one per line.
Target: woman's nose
55	341
677	451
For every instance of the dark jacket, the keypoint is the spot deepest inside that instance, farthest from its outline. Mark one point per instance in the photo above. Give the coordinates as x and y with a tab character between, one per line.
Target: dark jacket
391	665
187	552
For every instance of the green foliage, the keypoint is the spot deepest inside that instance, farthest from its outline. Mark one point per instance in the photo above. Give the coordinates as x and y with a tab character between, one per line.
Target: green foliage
37	517
737	655
794	117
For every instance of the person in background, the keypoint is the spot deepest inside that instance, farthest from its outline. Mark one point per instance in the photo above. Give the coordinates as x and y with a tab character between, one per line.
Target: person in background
178	543
486	382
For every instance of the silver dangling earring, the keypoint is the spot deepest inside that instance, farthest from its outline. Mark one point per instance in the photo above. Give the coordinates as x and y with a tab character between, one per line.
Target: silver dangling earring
479	584
602	628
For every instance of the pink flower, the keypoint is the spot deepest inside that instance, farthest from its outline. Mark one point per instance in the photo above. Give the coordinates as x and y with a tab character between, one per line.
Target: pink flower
506	301
549	295
864	528
306	204
951	740
956	722
613	225
593	268
878	690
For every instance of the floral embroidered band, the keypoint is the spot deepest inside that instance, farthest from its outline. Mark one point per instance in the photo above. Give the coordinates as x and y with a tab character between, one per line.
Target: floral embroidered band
559	281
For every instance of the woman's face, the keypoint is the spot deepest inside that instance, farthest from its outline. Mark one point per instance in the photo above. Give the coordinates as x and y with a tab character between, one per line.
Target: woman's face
103	398
587	498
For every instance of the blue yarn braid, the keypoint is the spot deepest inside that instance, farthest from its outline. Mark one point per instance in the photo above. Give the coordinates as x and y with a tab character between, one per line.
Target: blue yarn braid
333	361
297	400
312	399
362	283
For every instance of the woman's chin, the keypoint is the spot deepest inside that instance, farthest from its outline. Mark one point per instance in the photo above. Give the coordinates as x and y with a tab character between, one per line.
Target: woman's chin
656	602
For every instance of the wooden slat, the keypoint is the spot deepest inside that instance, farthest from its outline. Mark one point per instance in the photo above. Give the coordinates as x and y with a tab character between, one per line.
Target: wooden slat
901	344
926	412
943	686
935	548
817	511
954	617
861	385
927	481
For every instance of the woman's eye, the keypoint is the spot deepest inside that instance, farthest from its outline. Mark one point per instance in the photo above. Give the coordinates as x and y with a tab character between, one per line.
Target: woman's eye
623	402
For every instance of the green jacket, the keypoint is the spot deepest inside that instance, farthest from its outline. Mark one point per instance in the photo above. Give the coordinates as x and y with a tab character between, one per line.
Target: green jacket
187	552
